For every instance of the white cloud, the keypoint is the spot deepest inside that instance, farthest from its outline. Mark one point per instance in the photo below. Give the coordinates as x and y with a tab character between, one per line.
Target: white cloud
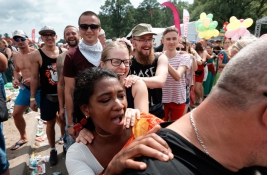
35	14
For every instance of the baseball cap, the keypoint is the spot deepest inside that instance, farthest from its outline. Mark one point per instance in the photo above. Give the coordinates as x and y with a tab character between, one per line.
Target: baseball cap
102	32
19	33
142	29
47	29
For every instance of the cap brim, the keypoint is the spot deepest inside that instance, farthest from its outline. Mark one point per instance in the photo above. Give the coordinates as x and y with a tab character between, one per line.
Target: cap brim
146	33
46	31
20	35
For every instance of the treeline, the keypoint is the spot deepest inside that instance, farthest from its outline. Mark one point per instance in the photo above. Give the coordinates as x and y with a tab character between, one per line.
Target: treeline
118	17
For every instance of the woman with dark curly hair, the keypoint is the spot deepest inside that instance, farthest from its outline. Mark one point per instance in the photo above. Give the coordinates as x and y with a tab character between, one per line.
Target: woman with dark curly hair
99	105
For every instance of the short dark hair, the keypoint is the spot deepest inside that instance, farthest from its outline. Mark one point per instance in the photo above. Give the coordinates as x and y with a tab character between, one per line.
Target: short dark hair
199	47
84	88
68	27
170	29
89	13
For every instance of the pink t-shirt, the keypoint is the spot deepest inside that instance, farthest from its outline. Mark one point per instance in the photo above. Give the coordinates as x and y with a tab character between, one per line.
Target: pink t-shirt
175	91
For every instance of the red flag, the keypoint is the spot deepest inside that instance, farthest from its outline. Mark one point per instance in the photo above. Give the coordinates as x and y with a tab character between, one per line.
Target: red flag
150	12
33	35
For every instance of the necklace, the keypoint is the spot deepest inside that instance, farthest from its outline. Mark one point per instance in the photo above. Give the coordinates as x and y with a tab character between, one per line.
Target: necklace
102	135
197	134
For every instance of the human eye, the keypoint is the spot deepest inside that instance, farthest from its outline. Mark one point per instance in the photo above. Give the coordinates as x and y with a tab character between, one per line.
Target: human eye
106	100
116	61
121	96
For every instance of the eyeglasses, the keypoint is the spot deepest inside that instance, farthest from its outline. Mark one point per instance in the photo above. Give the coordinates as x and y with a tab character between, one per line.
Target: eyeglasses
46	35
86	26
117	62
145	40
20	39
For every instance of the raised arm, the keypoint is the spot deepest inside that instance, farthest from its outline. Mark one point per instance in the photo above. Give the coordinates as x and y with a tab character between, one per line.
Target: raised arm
177	74
160	77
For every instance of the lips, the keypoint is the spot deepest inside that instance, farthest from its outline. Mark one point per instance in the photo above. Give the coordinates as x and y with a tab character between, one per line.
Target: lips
118	120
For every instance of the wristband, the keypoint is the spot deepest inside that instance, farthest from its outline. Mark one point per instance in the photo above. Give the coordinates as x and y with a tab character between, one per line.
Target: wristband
70	125
32	99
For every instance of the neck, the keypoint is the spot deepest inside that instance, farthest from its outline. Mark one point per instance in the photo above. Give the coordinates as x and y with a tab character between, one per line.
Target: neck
89	43
24	50
171	53
71	48
230	152
51	48
109	139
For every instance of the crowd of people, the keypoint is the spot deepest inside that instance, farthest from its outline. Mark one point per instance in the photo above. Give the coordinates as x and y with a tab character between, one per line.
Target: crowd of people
181	108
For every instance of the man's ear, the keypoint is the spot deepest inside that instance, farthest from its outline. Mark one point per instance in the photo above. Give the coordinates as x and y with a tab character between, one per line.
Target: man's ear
102	64
85	110
264	117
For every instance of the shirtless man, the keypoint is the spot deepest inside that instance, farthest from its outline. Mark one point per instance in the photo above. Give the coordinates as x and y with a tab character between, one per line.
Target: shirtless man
22	78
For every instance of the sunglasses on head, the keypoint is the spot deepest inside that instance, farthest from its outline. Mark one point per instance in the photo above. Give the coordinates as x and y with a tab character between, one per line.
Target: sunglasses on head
86	26
20	39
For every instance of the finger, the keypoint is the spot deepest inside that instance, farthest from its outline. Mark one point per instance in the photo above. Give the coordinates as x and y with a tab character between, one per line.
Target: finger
132	119
154	129
88	135
155	142
131	164
137	114
149	151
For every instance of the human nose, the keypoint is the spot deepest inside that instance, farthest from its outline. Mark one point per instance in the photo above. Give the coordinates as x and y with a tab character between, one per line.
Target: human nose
118	104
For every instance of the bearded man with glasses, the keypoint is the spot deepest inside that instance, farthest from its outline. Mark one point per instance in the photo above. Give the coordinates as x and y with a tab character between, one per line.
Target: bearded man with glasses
153	70
43	68
22	79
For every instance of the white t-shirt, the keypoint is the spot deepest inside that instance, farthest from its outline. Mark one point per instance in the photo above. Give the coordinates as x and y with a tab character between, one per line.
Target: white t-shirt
81	161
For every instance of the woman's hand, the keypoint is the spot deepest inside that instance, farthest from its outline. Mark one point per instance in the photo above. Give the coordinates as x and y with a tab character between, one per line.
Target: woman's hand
130	116
85	136
150	145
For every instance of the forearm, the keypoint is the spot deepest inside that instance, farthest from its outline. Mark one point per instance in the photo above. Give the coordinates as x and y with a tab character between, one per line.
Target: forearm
17	75
174	73
153	82
60	93
34	85
194	64
69	107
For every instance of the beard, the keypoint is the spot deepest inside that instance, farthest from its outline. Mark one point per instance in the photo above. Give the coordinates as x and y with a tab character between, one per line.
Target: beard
145	59
73	43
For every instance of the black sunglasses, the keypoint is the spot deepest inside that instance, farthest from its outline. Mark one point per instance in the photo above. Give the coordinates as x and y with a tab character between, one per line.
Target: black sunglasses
20	39
86	26
46	35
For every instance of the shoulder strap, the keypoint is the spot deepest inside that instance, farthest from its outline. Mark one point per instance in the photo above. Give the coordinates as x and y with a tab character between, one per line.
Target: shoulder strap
60	50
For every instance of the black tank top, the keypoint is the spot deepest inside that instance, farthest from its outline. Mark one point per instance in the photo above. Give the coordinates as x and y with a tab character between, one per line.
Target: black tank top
130	99
154	95
48	74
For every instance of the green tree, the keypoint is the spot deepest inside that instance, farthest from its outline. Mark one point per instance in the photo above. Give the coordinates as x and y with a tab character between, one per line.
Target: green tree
62	41
223	10
6	35
117	17
0	35
149	12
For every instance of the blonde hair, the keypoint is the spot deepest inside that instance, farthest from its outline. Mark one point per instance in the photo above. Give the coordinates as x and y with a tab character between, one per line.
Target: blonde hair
241	43
111	46
4	42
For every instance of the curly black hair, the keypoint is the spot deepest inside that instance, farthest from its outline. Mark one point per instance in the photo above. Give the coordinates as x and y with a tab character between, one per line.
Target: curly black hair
84	88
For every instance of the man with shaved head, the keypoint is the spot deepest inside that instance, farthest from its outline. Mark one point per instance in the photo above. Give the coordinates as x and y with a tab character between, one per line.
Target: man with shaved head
227	133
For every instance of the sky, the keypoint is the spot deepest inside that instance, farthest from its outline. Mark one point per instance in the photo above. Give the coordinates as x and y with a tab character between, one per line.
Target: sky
35	14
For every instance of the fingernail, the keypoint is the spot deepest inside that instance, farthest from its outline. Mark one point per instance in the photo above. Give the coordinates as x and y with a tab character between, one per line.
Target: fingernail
142	166
165	157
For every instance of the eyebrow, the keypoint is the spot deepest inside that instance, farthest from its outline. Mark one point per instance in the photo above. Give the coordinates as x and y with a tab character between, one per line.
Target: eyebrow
107	93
